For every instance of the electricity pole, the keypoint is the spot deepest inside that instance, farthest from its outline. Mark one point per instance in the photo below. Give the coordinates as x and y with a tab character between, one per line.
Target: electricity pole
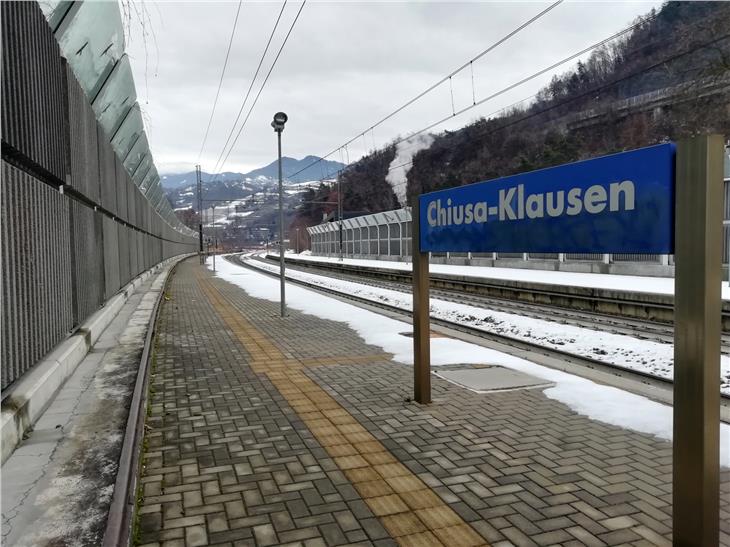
200	213
339	210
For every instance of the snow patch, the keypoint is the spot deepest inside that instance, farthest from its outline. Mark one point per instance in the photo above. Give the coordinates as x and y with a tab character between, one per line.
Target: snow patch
598	402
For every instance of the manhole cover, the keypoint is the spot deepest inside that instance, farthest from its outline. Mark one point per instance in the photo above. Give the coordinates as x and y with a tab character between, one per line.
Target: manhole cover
493	378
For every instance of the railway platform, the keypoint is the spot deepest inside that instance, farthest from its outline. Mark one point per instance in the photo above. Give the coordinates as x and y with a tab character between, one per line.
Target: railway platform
264	430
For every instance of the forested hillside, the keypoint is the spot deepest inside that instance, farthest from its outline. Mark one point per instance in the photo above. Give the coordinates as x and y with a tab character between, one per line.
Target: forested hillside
666	79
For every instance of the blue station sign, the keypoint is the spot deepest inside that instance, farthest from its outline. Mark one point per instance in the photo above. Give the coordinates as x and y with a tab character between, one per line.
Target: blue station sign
622	203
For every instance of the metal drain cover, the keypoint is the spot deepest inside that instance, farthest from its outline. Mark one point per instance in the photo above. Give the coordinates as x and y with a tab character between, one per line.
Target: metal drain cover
493	378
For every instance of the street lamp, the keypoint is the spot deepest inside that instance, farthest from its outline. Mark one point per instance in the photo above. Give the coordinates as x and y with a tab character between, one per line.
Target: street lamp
278	124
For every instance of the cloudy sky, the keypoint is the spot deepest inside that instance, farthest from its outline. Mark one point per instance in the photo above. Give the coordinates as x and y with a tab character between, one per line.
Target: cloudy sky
345	66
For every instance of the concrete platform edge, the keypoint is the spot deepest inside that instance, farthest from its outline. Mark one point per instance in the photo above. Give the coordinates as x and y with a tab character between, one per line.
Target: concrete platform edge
30	397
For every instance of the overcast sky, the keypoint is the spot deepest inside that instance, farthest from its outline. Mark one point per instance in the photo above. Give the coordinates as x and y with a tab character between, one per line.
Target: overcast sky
345	66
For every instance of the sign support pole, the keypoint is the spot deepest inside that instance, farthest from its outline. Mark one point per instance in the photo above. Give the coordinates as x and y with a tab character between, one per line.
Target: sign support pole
421	317
697	302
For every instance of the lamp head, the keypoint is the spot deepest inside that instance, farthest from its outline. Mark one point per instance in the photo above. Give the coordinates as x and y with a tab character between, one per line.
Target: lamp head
279	120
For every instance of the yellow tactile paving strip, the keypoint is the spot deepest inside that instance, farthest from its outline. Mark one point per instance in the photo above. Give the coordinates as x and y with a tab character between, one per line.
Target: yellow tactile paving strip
408	509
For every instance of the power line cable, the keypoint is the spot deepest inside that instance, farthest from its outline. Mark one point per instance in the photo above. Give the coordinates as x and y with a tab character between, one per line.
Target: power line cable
555	105
442	80
220	82
253	105
250	87
591	91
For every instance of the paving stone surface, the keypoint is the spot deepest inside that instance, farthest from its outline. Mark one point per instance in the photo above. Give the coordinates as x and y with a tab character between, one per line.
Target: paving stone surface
265	431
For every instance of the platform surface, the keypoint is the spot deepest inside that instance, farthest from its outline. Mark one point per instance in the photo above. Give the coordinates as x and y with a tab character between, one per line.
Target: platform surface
265	431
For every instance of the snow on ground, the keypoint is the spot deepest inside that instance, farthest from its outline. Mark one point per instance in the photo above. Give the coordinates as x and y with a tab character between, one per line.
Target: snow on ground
598	402
617	349
652	285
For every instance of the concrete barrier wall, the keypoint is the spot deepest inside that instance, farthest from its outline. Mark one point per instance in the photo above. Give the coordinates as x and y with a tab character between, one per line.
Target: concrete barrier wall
75	227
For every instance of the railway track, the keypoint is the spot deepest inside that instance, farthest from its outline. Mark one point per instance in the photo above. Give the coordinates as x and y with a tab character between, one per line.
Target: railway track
508	344
646	313
641	329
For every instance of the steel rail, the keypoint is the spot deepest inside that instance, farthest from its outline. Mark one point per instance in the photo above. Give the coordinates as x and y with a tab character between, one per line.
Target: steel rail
591	296
603	322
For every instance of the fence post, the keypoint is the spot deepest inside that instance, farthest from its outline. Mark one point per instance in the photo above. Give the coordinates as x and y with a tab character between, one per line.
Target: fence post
697	308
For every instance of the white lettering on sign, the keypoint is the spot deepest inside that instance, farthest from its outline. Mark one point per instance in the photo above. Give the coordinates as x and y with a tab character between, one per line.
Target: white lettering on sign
513	204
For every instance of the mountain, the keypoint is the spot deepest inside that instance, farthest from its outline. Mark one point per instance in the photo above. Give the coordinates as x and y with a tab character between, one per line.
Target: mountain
290	168
666	79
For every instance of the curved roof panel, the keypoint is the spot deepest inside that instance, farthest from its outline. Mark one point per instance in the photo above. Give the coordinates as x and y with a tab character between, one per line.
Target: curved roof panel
116	98
91	37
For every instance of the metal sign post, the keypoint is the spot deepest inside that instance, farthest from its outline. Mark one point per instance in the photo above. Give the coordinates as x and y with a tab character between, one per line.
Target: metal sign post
421	316
697	332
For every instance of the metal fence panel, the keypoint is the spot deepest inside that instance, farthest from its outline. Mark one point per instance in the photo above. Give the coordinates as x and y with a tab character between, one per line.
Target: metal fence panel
141	265
107	173
131	199
36	291
33	88
122	190
112	281
83	141
583	256
635	257
125	274
133	255
88	259
61	257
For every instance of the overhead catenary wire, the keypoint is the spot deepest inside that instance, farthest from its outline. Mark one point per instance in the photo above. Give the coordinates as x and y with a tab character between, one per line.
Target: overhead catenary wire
250	87
513	86
263	85
220	82
533	114
446	78
584	94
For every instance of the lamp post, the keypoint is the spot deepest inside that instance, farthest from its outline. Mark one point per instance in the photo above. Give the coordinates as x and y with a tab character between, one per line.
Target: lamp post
297	241
278	124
